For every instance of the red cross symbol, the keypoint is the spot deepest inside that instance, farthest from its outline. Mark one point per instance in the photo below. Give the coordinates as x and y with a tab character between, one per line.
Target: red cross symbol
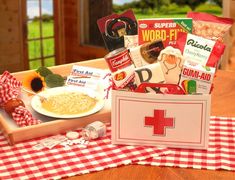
159	122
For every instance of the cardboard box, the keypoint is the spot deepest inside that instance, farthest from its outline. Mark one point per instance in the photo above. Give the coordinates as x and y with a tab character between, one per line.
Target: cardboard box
163	120
52	126
165	29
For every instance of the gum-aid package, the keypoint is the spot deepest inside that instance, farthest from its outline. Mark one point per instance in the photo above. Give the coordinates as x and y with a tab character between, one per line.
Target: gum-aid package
196	78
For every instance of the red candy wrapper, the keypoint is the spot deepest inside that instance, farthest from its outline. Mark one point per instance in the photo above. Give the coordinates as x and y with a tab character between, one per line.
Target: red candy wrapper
210	26
199	50
10	89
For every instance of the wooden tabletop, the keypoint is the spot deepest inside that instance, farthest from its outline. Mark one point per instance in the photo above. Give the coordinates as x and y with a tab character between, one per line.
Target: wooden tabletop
223	97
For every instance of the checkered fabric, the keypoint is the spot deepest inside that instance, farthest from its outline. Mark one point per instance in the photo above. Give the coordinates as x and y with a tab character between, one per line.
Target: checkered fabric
21	161
23	117
10	88
219	155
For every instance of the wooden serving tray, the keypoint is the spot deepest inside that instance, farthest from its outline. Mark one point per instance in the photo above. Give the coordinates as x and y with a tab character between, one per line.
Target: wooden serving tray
52	126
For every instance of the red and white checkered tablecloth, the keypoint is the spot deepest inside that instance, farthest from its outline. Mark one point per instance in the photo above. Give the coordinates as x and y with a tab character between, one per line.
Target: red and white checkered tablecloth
219	155
21	161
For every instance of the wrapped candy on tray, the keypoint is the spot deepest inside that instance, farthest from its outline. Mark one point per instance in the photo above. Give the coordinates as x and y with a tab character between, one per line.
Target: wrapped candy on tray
10	89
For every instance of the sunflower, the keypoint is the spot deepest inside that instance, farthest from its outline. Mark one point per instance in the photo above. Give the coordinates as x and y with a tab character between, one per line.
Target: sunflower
34	82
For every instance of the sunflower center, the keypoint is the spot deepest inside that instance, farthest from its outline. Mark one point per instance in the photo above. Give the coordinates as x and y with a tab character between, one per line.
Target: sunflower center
36	84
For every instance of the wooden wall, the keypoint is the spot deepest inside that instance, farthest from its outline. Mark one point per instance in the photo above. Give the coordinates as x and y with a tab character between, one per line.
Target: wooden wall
74	50
232	33
70	21
11	38
229	54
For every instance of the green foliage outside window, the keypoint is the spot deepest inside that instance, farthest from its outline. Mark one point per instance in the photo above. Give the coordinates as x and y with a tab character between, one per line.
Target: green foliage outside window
169	8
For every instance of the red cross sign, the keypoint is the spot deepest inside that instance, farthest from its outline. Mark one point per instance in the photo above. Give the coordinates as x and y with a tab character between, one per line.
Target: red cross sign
159	122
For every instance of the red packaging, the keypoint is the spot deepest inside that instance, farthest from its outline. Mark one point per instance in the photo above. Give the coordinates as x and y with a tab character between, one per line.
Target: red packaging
210	26
199	50
165	29
118	59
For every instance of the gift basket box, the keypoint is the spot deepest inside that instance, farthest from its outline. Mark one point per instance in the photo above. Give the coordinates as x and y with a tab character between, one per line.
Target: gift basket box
161	71
163	120
163	79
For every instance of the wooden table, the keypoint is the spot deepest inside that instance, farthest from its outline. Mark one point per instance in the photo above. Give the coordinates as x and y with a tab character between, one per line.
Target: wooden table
223	104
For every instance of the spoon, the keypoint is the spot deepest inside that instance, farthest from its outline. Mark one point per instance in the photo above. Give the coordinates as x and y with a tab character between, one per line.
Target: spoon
42	98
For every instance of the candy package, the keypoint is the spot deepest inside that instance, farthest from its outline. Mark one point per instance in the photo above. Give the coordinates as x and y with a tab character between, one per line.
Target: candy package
199	50
196	78
210	26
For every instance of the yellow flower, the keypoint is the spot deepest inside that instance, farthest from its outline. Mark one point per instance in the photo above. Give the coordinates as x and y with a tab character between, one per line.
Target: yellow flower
34	82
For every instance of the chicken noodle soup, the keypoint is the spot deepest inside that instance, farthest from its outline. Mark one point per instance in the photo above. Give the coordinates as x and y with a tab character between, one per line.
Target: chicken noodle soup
69	103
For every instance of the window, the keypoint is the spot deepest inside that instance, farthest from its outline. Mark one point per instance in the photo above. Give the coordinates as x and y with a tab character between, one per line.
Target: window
40	33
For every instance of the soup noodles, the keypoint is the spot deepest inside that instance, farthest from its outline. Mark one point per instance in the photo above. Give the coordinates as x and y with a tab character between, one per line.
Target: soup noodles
69	103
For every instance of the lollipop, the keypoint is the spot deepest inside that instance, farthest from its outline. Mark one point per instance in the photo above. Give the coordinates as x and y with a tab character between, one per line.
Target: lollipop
13	103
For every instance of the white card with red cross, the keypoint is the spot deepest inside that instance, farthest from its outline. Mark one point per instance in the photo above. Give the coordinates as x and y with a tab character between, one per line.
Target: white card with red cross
180	121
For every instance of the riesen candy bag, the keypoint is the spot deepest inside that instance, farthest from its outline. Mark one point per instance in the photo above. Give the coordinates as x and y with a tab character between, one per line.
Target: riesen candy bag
210	26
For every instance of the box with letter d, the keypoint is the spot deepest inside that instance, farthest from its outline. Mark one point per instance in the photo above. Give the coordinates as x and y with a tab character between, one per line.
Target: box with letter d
164	120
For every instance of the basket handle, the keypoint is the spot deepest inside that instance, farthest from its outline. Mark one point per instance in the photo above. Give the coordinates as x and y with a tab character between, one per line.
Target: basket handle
171	88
